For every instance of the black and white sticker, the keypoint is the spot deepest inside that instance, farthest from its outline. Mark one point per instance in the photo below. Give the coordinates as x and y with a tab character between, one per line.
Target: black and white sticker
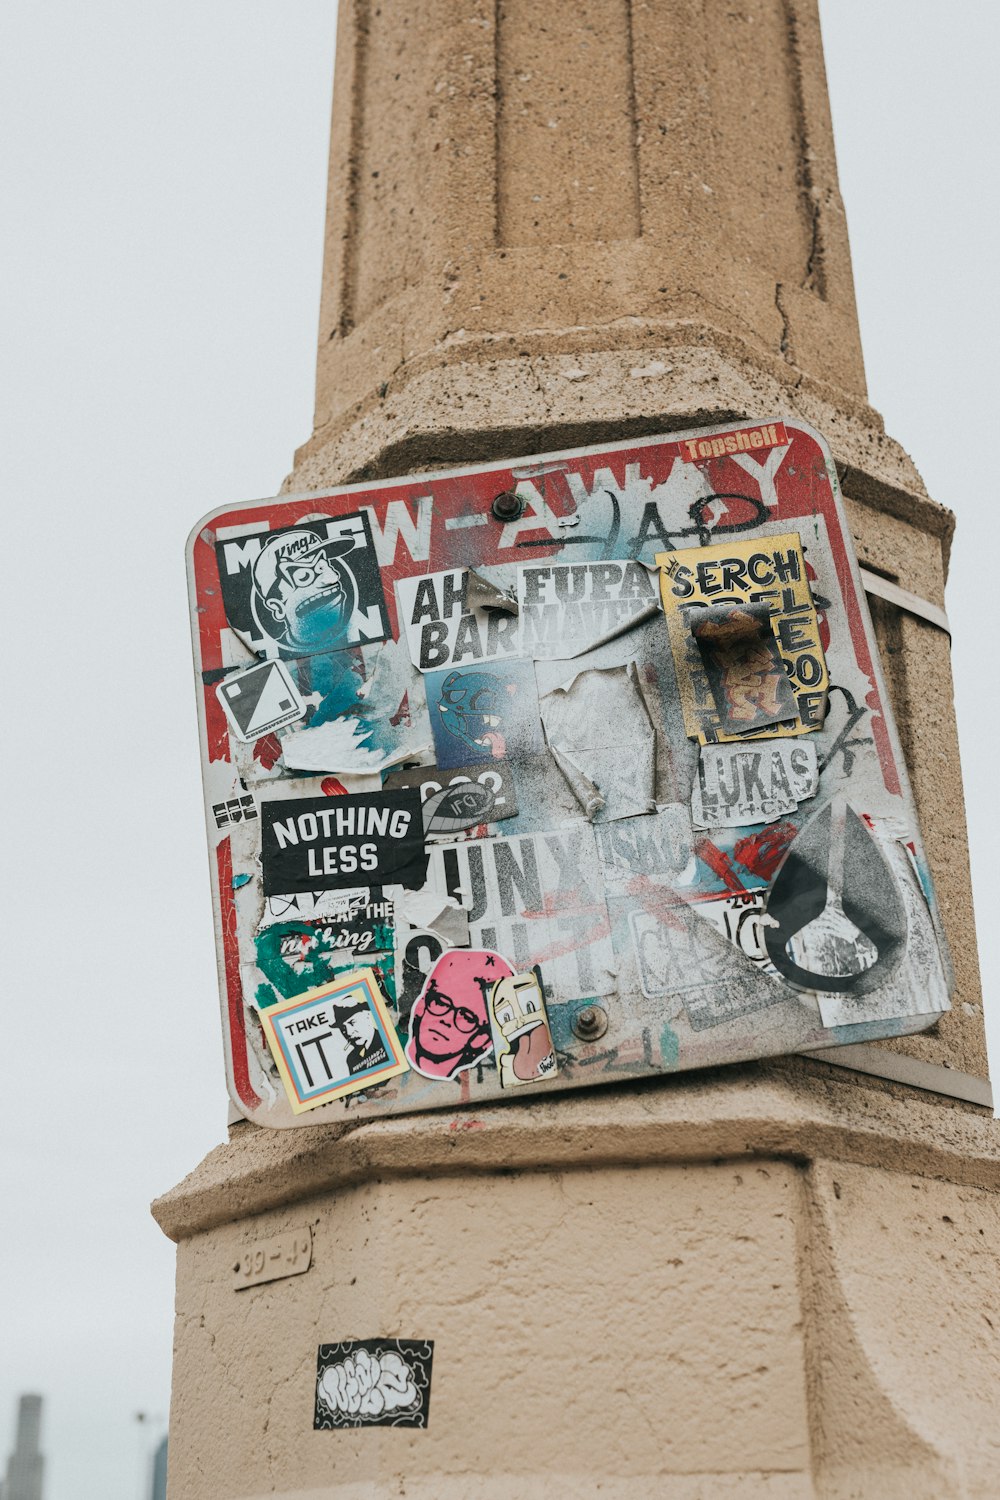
373	1383
306	588
320	843
237	810
460	798
261	700
453	619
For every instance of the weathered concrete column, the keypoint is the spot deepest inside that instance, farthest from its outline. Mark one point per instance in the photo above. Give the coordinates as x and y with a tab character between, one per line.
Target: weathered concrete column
553	224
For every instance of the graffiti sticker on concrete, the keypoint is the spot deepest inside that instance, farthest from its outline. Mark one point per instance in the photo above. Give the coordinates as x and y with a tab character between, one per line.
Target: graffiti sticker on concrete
373	1383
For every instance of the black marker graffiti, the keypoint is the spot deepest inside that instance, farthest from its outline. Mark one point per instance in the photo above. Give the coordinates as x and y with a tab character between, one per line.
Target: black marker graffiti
650	525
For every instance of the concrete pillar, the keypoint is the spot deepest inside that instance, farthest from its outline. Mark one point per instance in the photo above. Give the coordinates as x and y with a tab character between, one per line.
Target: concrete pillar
553	224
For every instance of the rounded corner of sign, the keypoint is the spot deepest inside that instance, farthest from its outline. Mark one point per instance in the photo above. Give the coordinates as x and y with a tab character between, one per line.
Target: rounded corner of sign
261	1114
239	1110
195	533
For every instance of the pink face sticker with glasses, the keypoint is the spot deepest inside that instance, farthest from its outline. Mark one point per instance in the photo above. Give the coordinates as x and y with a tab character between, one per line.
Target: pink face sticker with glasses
449	1022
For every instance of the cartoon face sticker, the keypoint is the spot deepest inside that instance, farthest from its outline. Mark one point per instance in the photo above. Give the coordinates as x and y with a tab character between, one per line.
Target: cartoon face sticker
484	715
524	1049
473	707
303	595
449	1022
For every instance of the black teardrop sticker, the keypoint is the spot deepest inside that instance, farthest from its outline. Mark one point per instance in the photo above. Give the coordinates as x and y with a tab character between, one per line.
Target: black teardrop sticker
838	923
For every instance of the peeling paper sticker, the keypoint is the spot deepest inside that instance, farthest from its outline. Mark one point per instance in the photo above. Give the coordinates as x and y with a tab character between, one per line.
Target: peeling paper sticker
362	929
656	848
373	1383
301	589
456	618
588	723
333	1041
737	786
566	609
680	953
450	1023
342	746
484	715
441	914
428	923
366	712
304	906
460	798
260	701
522	1039
745	672
837	921
538	899
920	987
320	843
734	678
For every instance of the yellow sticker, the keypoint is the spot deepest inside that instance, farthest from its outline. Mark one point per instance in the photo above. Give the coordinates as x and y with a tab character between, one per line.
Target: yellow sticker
522	1039
334	1040
745	639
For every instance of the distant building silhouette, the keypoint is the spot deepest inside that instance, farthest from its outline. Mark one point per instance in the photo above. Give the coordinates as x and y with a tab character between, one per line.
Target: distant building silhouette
158	1486
24	1467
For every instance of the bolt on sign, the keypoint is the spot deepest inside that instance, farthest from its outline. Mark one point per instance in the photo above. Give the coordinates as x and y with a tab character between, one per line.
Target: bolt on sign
598	782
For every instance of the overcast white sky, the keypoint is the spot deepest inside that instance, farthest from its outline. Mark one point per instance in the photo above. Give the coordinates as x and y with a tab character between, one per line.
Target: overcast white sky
163	180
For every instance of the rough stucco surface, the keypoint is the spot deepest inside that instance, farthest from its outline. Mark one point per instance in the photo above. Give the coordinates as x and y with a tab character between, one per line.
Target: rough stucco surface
749	1328
553	225
568	1313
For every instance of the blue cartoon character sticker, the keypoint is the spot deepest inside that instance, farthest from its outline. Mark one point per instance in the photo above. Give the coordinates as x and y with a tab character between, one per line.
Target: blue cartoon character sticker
486	714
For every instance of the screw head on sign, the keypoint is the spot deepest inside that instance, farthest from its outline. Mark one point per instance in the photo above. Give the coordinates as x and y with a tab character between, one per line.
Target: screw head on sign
508	506
590	1023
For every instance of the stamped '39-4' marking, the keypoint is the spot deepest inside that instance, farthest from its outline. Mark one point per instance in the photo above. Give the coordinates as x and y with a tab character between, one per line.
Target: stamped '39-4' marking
287	1254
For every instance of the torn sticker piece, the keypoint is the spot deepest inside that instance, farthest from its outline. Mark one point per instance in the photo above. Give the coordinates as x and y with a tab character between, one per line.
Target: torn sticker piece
539	899
366	711
260	701
344	745
361	928
737	786
837	920
566	609
587	724
449	1023
522	1040
681	954
462	797
428	923
740	658
727	666
483	715
430	910
301	589
320	843
919	985
373	1383
293	958
456	618
334	1040
304	906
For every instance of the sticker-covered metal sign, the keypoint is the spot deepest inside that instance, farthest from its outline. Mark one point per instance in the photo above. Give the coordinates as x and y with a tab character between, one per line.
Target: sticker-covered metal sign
628	751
